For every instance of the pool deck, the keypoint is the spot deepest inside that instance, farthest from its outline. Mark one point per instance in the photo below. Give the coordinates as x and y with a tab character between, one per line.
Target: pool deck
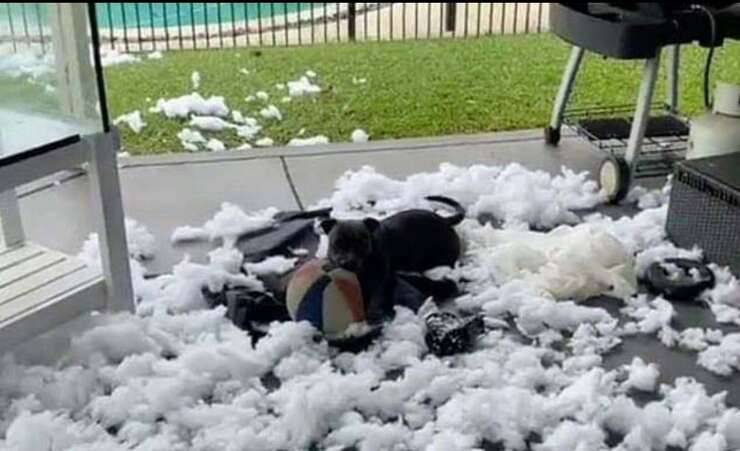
164	192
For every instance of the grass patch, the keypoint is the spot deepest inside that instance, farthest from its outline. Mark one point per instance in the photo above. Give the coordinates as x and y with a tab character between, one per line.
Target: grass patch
414	88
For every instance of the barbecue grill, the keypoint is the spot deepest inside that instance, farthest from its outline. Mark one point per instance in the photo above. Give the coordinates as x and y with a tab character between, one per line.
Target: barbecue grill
647	138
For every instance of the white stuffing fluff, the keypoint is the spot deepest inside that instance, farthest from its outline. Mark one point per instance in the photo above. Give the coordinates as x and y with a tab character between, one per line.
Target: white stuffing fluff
310	74
724	357
190	139
55	432
133	120
112	57
189	233
183	106
311	141
189	135
695	339
226	258
726	292
155	55
661	252
195	79
215	145
184	292
653	316
302	87
178	375
141	244
729	427
568	262
230	222
189	146
210	123
709	442
359	136
271	112
573	436
271	265
648	198
642	376
249	129
725	314
512	193
262	95
264	142
237	117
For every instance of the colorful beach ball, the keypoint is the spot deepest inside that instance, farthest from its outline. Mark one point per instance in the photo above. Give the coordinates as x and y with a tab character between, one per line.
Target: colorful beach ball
329	298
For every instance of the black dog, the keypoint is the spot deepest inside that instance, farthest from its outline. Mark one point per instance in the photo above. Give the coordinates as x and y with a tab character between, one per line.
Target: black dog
410	241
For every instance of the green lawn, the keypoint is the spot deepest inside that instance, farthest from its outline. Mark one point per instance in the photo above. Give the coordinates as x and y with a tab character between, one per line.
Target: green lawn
418	88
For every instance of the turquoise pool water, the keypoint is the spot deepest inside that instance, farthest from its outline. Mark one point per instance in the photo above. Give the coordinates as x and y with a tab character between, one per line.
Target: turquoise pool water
27	16
148	15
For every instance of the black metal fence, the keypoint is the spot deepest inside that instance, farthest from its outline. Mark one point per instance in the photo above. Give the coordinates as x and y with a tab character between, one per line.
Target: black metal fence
139	27
23	25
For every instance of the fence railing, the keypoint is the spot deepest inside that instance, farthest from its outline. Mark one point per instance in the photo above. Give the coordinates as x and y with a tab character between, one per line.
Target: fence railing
138	27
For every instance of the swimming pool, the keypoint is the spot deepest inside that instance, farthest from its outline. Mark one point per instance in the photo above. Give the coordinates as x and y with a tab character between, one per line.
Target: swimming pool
155	15
169	14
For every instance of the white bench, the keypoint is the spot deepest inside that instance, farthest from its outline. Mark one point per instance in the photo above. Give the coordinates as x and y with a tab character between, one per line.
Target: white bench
42	288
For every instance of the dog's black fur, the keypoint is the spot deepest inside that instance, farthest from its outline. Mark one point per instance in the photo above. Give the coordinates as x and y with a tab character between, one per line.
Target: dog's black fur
410	241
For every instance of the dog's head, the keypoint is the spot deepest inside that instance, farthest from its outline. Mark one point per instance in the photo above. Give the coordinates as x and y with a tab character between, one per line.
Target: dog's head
350	242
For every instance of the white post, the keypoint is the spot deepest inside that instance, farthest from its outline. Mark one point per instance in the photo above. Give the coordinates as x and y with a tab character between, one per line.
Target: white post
10	220
108	205
11	225
78	88
69	26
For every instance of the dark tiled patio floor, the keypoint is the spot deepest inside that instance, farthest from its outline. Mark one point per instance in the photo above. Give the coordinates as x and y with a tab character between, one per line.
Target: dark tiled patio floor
168	191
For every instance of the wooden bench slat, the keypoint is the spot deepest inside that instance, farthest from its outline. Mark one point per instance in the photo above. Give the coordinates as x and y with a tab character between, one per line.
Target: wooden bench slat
39	279
12	256
26	268
50	292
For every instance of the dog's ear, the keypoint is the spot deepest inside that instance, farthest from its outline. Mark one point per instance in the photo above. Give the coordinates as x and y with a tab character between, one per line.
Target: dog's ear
371	224
328	224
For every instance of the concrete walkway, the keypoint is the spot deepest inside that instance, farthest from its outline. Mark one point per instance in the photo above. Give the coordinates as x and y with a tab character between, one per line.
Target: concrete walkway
164	192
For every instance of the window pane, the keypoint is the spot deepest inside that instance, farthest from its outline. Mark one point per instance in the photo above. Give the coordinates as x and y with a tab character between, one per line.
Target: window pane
48	88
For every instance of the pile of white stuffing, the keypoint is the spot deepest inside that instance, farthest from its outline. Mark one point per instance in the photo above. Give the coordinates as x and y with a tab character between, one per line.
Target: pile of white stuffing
207	114
179	376
211	115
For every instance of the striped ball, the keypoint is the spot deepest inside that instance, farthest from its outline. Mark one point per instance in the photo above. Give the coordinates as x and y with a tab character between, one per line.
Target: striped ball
329	298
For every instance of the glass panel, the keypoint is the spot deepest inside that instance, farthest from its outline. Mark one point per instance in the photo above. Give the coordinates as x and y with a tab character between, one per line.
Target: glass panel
48	87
